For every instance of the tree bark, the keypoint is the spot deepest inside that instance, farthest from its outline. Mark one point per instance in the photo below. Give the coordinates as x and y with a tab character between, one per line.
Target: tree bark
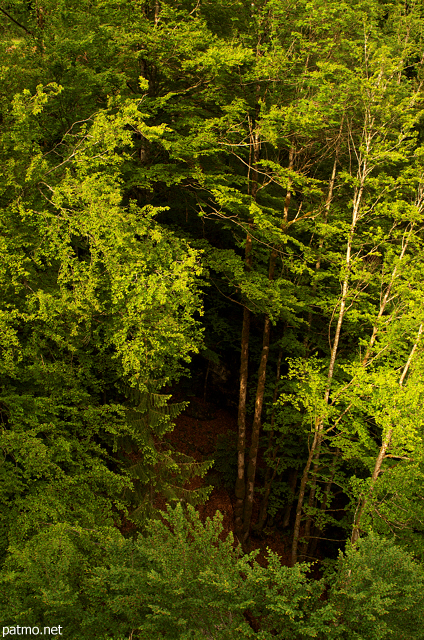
240	488
317	267
256	426
157	11
319	422
241	444
257	418
270	476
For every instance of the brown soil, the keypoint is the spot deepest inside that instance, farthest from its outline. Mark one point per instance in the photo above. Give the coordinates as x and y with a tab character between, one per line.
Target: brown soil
196	437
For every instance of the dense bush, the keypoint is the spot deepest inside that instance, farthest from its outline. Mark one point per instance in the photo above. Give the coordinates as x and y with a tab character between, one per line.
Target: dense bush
184	579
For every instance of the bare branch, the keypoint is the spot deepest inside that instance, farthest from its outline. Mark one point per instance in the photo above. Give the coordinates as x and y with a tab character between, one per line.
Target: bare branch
16	22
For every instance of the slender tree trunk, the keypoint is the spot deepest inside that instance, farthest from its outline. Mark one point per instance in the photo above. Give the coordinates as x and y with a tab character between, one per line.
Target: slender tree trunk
317	268
241	444
257	418
157	11
319	422
386	297
270	474
383	304
240	488
382	453
256	426
364	361
302	490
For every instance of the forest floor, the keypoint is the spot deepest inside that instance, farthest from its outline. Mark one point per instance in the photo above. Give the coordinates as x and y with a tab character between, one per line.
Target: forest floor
196	434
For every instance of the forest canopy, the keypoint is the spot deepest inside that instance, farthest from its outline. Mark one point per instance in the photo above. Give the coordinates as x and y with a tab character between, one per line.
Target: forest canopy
220	200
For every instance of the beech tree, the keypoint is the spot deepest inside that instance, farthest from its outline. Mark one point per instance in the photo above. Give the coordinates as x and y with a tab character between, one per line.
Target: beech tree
243	179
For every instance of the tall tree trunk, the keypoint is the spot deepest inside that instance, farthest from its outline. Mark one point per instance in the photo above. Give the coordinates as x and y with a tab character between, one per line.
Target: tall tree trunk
383	304
314	451
257	418
302	490
382	453
241	443
256	426
240	488
317	268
